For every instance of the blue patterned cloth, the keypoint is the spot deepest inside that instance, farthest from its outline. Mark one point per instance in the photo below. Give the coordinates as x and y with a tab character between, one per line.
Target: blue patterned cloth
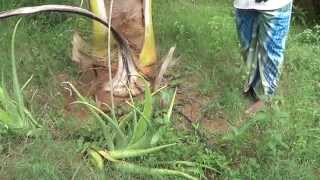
262	37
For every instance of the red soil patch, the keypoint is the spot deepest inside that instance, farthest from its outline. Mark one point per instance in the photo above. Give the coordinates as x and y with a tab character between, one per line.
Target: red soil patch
90	84
190	104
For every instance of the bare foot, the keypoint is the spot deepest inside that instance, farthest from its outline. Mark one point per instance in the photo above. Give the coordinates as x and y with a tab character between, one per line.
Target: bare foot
255	107
250	94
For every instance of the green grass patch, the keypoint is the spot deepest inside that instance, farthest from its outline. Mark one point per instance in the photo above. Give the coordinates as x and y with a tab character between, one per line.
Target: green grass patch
280	143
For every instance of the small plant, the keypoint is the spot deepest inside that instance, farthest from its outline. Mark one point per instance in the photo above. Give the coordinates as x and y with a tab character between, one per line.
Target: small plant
14	116
132	136
299	15
310	35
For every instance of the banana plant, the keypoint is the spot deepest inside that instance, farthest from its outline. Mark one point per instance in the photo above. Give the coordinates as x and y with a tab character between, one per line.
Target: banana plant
132	19
132	35
133	135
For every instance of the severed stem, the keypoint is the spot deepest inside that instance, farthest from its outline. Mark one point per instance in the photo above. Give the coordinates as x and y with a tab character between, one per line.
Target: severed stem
126	77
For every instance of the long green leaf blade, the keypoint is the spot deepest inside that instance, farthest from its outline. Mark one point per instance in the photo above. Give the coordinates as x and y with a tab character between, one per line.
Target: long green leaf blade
16	86
121	154
142	126
135	169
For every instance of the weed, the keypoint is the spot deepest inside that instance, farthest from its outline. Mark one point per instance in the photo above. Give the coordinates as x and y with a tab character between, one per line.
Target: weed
310	36
15	117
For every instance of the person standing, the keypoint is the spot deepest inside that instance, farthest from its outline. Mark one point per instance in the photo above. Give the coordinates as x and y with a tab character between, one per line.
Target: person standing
263	27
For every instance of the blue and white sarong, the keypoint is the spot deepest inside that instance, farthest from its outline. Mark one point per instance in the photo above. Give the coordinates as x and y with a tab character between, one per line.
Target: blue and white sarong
263	37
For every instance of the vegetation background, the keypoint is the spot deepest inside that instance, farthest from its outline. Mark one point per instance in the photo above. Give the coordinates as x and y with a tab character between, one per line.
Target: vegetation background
282	142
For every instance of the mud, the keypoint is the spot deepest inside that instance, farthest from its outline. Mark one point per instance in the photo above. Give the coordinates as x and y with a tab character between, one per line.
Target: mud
190	105
90	84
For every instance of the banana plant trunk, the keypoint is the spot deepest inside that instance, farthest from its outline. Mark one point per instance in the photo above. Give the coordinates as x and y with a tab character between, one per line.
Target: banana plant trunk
133	20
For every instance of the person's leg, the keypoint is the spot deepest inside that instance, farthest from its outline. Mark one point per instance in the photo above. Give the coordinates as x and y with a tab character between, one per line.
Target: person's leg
273	28
273	32
246	22
247	26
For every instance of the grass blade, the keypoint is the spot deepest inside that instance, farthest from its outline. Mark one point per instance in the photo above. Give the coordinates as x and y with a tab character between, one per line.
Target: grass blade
169	114
26	83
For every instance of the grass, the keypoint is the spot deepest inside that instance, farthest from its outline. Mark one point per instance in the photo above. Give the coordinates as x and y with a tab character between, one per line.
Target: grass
280	143
15	116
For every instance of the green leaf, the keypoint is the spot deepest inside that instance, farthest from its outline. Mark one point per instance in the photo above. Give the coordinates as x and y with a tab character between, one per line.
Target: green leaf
125	119
142	125
5	118
156	137
96	111
1	95
16	86
121	154
96	159
143	142
191	164
135	169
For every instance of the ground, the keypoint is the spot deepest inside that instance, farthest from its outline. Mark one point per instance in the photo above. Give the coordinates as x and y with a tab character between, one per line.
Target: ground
282	142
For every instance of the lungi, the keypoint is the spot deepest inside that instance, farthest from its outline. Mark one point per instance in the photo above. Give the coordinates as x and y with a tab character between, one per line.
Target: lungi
263	37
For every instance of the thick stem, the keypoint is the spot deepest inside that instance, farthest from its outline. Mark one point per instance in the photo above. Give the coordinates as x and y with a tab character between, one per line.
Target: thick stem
99	31
148	55
126	81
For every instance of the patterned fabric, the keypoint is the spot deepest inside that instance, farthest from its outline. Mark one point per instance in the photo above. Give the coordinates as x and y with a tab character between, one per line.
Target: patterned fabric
262	37
262	5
